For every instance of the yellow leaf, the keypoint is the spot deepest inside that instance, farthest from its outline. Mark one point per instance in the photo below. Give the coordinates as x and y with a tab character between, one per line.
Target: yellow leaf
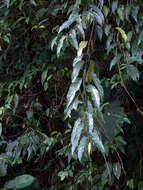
82	45
90	70
122	32
89	148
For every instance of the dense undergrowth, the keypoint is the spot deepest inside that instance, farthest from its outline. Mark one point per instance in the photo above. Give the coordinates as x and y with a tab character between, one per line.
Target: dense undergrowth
71	94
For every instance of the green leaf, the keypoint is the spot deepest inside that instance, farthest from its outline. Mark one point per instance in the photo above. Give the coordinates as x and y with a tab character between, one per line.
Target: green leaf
89	107
135	11
99	17
99	32
117	170
20	182
107	29
3	167
0	129
90	122
89	71
7	3
133	72
76	133
73	39
97	84
60	45
16	100
81	147
98	142
114	6
54	42
115	60
120	11
73	106
72	90
66	24
76	70
44	76
77	59
80	28
82	45
122	32
94	94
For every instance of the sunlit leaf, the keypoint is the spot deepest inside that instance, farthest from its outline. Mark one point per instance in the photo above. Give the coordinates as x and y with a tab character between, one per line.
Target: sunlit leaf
54	42
60	45
94	94
81	147
97	84
72	90
76	133
89	148
82	45
133	72
81	30
73	39
122	32
76	70
90	122
98	142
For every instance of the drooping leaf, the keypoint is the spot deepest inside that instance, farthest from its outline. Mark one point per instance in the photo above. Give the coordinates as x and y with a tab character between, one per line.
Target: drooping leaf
76	59
89	148
72	90
81	147
73	39
90	122
60	45
97	84
76	70
3	167
89	71
107	29
135	11
122	32
73	106
0	129
133	72
54	42
44	76
89	107
99	32
94	94
120	12
117	170
67	23
82	45
97	140
16	100
99	17
76	133
81	30
20	182
114	6
115	60
101	3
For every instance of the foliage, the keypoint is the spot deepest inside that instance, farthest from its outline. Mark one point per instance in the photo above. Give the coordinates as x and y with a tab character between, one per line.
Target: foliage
67	73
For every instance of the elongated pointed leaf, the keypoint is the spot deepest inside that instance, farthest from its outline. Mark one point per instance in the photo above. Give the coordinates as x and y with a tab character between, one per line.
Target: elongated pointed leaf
89	71
73	106
89	107
73	39
94	94
115	60
114	6
97	84
99	32
98	142
20	182
101	3
54	42
60	45
117	170
72	90
44	76
76	133
81	30
133	72
82	45
76	70
76	59
81	147
122	32
99	17
90	122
